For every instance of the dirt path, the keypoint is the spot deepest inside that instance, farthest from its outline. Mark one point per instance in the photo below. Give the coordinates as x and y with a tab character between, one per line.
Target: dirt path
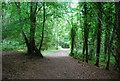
53	66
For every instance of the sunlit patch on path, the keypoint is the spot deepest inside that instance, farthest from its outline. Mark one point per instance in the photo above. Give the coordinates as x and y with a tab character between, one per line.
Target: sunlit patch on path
57	54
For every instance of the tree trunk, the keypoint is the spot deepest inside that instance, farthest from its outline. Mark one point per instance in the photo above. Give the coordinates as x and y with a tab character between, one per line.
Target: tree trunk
98	34
32	26
105	46
72	40
110	47
41	42
108	60
109	37
31	47
83	52
20	24
117	6
86	30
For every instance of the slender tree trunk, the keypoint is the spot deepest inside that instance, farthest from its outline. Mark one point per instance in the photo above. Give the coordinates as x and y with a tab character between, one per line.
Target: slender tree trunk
32	26
105	46
117	6
86	30
83	52
109	46
41	42
109	37
72	40
98	34
20	24
86	46
108	60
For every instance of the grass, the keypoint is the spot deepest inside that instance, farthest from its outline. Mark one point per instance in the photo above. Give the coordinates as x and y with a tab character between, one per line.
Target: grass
8	45
12	46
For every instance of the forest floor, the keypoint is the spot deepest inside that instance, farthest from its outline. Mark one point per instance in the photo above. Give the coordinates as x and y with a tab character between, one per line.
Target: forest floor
58	65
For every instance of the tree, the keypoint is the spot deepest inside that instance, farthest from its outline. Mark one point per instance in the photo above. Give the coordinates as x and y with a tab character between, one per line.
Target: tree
117	7
108	35
42	27
32	48
73	33
99	30
20	24
86	31
92	27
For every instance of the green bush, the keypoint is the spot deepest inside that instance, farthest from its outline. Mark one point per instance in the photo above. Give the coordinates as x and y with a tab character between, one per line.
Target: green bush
11	45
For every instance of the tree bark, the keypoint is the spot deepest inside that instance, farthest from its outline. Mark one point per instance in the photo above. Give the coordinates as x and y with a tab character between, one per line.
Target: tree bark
86	31
72	40
98	33
20	24
117	6
32	26
41	42
31	47
83	52
109	37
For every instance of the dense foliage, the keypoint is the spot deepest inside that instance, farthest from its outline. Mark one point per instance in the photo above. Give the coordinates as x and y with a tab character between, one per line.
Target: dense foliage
91	30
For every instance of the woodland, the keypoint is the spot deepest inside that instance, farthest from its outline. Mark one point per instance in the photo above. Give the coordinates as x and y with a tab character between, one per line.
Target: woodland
88	31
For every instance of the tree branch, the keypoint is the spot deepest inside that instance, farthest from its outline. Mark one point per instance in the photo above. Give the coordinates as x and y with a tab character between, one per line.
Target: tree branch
25	37
39	9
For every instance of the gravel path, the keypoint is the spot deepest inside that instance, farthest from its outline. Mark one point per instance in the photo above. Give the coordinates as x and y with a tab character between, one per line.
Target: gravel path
53	66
